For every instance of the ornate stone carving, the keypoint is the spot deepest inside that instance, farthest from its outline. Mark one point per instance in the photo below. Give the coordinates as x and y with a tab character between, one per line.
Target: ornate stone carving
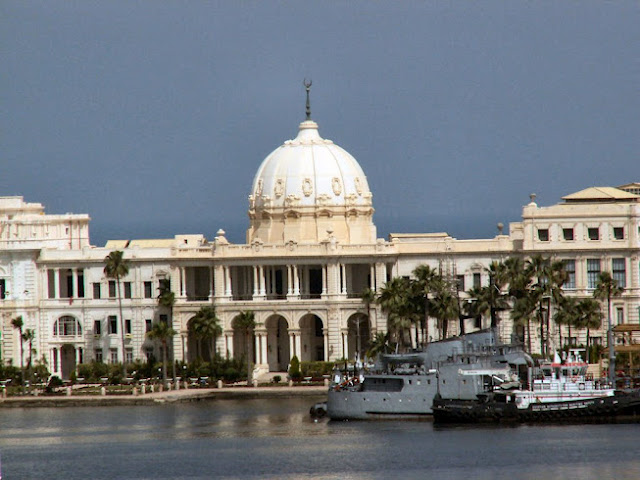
259	188
358	184
307	187
336	185
323	199
278	189
291	200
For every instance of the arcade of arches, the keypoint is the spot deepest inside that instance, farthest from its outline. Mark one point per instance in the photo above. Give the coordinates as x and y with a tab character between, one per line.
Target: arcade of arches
274	342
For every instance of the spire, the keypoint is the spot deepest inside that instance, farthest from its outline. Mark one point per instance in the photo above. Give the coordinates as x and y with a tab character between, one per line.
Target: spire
307	86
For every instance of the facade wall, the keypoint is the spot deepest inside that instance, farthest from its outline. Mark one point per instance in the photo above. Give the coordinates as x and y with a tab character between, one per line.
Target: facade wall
48	271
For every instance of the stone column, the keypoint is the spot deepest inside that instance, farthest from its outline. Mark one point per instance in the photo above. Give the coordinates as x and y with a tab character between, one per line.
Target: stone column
263	349
324	279
183	281
298	339
56	283
218	281
296	281
345	343
325	336
343	271
263	287
227	282
229	344
74	281
211	283
292	345
256	281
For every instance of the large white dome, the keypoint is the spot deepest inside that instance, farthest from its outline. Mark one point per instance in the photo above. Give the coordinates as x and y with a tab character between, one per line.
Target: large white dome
309	171
307	189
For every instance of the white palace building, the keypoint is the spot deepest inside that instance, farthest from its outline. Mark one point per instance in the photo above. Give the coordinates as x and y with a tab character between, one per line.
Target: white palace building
311	249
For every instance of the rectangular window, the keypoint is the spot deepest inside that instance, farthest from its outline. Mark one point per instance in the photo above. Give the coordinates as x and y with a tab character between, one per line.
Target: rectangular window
594	233
113	324
619	271
98	355
112	289
128	355
113	355
80	283
148	290
567	234
618	233
149	354
570	268
127	326
3	289
476	280
96	291
593	270
164	318
543	234
460	281
97	327
619	315
147	325
127	289
595	340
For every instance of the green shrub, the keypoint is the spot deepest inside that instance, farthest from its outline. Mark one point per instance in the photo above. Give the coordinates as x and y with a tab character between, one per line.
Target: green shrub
316	369
294	369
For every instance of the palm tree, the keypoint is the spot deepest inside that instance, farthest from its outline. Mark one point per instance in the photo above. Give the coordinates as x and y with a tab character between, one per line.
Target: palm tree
162	332
426	277
117	267
379	344
498	275
606	288
206	327
18	323
368	297
589	317
167	299
567	314
395	300
444	307
246	324
29	336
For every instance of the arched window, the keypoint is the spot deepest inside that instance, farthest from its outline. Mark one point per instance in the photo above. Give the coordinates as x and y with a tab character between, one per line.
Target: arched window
67	327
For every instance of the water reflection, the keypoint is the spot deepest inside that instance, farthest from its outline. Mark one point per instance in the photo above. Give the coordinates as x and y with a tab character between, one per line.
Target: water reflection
278	439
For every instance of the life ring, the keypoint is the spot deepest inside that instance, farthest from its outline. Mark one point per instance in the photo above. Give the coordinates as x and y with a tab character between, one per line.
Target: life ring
581	386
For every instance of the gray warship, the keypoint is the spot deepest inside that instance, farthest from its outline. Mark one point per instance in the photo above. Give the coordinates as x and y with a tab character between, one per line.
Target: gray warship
405	385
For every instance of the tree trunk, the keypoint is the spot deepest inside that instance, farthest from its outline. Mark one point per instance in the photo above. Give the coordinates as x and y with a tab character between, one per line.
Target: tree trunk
124	355
249	359
529	335
164	363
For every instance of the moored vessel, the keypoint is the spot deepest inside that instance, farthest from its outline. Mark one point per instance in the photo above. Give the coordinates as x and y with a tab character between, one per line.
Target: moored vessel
558	391
405	385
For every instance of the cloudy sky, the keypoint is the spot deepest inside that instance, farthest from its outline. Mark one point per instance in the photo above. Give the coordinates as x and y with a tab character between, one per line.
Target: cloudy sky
153	117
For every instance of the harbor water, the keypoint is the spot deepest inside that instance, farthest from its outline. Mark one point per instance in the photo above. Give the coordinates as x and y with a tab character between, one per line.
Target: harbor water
276	438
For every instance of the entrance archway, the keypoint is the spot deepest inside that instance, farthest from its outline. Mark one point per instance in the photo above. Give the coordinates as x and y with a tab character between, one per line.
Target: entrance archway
278	353
312	338
359	335
67	361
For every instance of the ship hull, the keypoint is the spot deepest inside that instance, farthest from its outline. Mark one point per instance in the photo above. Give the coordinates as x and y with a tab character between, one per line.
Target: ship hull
622	404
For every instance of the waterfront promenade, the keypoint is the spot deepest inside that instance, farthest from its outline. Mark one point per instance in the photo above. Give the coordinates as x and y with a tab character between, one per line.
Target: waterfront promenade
167	396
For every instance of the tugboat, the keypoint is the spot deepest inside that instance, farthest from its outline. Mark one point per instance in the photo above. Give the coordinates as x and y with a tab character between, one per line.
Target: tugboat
404	385
560	391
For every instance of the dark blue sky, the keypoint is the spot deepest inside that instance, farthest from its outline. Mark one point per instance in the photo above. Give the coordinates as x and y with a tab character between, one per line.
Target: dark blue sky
154	116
